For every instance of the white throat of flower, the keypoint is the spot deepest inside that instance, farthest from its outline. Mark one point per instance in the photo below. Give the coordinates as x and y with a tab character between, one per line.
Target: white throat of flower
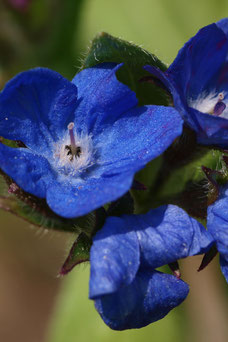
73	153
212	103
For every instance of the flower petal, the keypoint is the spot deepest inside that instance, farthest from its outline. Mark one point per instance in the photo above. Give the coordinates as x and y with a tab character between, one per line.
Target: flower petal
79	198
139	136
168	233
35	106
223	25
217	224
213	129
196	65
147	299
178	98
114	258
224	266
199	59
30	171
102	97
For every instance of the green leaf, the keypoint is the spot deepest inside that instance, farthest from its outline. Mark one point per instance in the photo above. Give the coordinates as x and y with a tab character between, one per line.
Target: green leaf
79	253
106	48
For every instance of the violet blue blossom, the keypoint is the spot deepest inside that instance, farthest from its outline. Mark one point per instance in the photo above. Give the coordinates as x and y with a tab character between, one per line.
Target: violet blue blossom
127	289
198	82
83	141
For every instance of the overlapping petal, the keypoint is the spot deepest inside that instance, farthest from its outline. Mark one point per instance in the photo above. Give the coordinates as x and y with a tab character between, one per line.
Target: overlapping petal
213	129
80	197
168	233
137	137
217	223
147	299
163	235
36	106
127	290
179	100
30	171
115	258
199	60
102	98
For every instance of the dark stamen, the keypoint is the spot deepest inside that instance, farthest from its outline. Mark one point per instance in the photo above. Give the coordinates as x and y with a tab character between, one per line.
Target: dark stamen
69	152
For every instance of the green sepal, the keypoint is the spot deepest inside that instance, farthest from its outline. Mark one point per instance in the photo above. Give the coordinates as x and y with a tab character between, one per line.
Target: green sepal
106	48
79	253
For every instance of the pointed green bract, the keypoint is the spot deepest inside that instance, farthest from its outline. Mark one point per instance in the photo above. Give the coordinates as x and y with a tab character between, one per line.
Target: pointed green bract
79	253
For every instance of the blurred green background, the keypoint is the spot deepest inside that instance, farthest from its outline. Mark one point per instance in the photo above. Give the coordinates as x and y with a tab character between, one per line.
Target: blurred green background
35	305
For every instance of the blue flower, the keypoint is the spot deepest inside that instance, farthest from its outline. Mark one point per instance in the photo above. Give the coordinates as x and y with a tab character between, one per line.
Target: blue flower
198	82
127	290
84	140
217	224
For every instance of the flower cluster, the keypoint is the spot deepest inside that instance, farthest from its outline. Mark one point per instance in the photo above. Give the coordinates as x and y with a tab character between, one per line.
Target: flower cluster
78	146
198	82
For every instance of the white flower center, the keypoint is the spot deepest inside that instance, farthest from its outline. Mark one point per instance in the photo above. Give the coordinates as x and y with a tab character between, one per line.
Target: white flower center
74	153
212	103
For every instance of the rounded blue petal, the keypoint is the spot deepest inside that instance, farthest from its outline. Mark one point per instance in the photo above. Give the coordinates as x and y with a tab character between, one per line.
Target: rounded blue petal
30	171
114	258
35	107
102	98
217	219
199	59
168	233
213	130
137	137
80	197
147	299
178	97
217	224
